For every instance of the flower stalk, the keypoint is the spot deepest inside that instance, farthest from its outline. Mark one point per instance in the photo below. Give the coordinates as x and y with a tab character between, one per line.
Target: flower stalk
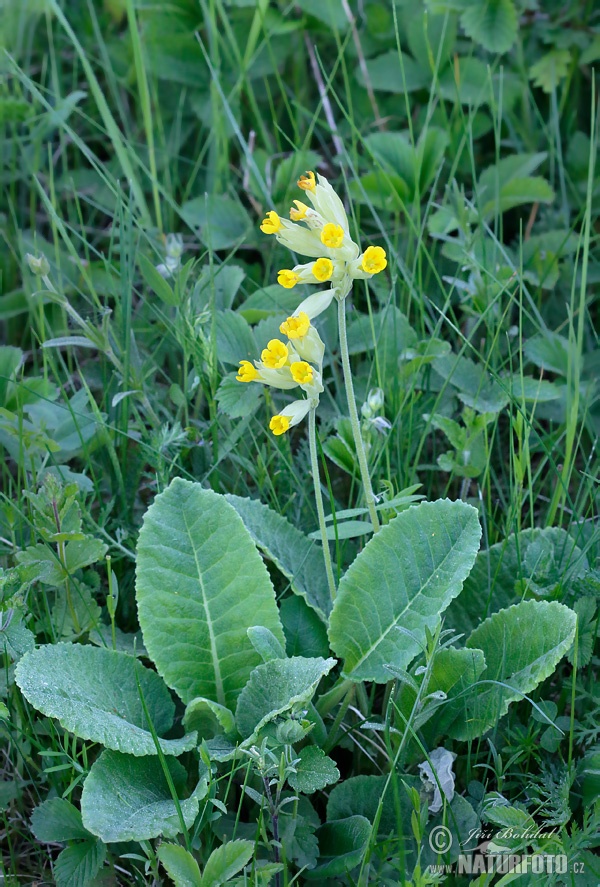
354	420
314	465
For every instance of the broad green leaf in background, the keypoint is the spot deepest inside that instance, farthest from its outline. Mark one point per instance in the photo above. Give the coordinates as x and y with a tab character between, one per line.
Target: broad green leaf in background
535	558
361	795
236	400
226	861
297	557
180	865
57	820
220	221
405	577
200	584
341	846
265	643
305	633
522	646
218	284
208	719
277	687
235	340
127	798
492	23
387	73
94	693
314	771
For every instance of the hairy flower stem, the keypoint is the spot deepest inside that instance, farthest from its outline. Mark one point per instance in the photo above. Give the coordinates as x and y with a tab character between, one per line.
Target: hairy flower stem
354	420
314	464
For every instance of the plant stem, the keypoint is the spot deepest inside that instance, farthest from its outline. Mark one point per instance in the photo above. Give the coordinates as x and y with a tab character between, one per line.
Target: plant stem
314	465
354	421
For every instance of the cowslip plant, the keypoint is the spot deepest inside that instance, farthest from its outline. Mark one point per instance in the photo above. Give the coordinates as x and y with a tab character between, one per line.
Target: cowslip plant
321	231
252	702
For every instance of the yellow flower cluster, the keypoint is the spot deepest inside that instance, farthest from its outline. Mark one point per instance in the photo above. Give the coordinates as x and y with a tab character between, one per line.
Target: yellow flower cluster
325	230
324	236
286	365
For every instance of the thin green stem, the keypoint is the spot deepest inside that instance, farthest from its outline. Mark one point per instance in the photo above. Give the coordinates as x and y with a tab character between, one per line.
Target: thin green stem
354	421
314	465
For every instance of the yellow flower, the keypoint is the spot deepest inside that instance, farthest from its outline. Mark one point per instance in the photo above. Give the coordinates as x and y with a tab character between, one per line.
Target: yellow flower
275	355
332	235
287	278
323	269
296	215
374	260
295	327
302	372
271	224
307	182
247	372
279	424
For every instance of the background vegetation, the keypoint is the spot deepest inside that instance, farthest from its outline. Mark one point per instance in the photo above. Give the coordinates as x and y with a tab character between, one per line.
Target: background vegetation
465	138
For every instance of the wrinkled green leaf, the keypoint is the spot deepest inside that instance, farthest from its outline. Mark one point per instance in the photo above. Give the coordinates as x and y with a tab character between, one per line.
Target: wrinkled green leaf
200	584
405	576
277	687
93	692
127	798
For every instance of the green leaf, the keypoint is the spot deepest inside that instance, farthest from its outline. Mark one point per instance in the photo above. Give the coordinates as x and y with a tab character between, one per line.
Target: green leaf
126	798
218	284
314	771
78	865
235	340
502	572
57	820
360	795
522	646
330	12
491	23
404	577
470	81
236	399
180	865
548	71
277	687
265	643
341	846
208	718
220	221
533	189
305	634
200	584
297	557
94	693
156	281
226	861
10	361
387	74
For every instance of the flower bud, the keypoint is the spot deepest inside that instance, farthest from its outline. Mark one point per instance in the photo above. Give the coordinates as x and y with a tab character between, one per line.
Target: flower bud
376	399
38	265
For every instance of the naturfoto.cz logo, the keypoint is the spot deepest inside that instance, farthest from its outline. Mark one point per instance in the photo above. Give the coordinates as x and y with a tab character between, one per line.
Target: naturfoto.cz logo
478	862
